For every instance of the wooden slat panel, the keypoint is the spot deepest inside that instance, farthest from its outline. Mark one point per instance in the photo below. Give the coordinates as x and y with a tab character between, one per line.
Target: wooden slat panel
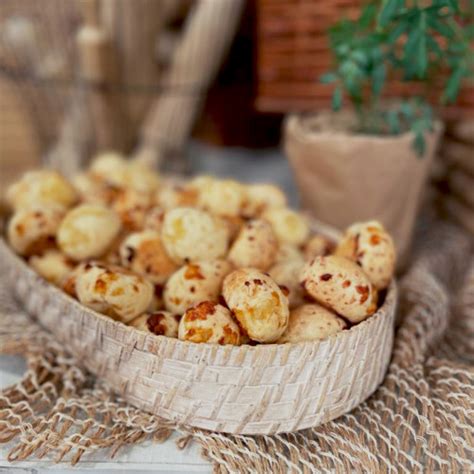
292	52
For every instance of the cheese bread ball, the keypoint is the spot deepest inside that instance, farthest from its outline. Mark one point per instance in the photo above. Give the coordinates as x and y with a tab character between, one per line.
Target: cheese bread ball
41	188
110	167
144	253
52	265
113	253
87	231
68	283
260	197
286	274
191	234
255	246
289	226
288	252
209	322
132	207
154	219
234	224
159	323
312	322
172	195
157	302
341	285
93	190
141	178
32	230
317	246
370	245
258	304
193	283
113	291
222	197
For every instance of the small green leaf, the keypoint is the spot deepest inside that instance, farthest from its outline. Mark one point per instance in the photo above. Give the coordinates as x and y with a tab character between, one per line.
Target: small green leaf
441	27
454	5
337	99
378	78
328	78
397	32
393	122
389	10
368	15
452	87
419	144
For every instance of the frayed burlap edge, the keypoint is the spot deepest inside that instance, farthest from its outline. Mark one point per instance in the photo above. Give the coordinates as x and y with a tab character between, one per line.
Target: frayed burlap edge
419	420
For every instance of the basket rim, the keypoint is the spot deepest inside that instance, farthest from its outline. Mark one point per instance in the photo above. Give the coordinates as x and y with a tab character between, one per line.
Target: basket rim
151	340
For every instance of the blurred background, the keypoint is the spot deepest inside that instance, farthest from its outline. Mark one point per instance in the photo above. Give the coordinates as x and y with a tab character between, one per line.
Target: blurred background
190	86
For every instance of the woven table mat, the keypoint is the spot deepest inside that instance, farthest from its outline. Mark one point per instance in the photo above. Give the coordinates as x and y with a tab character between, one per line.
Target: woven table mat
419	420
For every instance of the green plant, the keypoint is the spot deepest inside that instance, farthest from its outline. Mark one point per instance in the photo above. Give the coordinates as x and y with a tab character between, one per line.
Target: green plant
429	42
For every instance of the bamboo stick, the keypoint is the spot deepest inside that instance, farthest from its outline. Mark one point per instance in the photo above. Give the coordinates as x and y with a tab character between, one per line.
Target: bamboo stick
99	73
207	35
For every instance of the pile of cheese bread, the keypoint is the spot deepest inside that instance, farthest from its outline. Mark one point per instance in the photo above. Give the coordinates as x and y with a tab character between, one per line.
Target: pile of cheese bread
206	260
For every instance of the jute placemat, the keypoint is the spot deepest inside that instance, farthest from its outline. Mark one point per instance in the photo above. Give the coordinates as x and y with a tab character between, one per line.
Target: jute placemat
419	420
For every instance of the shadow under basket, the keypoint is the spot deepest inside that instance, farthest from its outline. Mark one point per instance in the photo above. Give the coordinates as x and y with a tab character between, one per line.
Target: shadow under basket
262	389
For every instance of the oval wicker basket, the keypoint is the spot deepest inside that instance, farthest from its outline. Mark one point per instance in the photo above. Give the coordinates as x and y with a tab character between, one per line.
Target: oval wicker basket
262	389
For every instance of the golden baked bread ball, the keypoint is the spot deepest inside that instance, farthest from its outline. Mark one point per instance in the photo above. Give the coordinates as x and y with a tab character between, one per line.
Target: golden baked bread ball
258	304
200	182
144	253
113	291
255	246
209	322
288	252
371	246
159	323
223	197
193	283
191	234
33	230
132	207
113	252
52	265
234	224
286	275
262	196
317	246
110	167
289	226
312	322
341	285
172	195
157	302
87	231
141	177
154	219
68	283
93	190
41	188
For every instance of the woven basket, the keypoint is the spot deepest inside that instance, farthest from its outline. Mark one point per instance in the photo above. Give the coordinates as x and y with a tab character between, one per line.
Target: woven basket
263	389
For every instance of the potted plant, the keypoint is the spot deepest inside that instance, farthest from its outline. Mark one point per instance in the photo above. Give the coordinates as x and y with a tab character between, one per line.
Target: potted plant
371	160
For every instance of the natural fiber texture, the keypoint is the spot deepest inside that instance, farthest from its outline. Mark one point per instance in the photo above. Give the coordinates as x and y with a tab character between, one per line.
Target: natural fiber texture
420	419
266	389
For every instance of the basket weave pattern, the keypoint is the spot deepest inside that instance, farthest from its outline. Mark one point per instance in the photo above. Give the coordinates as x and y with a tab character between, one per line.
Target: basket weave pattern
263	389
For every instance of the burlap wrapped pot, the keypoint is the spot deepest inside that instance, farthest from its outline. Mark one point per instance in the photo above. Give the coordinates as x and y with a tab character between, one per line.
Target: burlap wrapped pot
344	177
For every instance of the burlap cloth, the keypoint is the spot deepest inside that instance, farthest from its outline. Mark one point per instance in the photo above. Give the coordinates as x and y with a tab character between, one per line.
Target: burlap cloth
420	419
